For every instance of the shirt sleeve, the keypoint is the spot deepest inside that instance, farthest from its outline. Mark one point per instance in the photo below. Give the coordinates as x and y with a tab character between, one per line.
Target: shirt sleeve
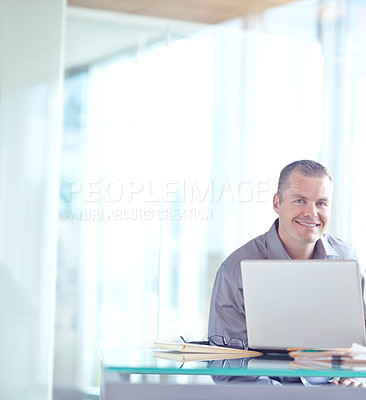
227	315
362	273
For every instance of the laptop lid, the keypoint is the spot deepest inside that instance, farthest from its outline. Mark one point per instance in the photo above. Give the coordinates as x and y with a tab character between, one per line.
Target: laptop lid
302	303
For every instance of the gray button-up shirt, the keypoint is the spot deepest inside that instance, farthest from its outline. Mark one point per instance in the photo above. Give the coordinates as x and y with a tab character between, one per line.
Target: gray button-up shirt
227	312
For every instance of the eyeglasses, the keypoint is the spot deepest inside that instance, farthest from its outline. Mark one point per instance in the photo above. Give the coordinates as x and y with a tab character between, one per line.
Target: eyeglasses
218	340
221	341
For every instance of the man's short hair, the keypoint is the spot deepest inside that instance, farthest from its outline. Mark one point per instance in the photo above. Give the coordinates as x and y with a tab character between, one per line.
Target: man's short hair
304	167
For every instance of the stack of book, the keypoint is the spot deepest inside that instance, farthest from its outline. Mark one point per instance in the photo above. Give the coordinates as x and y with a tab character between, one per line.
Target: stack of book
184	352
353	358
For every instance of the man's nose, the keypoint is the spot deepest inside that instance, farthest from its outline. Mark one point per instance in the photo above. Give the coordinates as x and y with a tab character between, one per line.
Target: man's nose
311	210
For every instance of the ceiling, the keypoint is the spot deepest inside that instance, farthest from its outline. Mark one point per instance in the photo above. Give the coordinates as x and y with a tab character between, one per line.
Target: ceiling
95	35
97	30
201	11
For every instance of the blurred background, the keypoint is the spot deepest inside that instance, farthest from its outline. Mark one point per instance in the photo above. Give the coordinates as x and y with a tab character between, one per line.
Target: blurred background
140	144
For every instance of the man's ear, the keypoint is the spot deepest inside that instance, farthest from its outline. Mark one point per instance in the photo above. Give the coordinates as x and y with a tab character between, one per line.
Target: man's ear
276	203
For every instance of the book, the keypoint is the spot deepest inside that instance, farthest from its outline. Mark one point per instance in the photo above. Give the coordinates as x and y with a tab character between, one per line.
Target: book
207	349
185	357
318	353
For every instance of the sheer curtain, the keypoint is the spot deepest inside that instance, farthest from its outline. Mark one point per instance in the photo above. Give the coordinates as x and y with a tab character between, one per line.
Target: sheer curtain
138	206
356	126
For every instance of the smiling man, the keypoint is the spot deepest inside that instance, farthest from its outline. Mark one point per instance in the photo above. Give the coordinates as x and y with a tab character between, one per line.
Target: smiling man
303	201
303	204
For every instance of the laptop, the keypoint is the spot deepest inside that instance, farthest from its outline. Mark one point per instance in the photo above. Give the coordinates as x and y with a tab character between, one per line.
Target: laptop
302	304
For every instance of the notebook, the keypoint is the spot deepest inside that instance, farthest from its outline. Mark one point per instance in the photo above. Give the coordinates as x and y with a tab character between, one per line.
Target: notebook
302	304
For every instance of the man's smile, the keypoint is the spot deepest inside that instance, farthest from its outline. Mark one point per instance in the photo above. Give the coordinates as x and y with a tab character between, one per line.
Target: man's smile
309	224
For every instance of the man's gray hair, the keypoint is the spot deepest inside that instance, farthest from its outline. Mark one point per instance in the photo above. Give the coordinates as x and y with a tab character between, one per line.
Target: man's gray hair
304	167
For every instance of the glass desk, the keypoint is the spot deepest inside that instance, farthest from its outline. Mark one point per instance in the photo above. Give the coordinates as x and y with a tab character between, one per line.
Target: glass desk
118	365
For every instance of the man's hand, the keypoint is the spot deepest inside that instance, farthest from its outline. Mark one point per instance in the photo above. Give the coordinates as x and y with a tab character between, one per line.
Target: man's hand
348	382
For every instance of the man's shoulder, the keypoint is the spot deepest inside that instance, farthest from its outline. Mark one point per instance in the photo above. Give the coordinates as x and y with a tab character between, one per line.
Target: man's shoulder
255	249
341	247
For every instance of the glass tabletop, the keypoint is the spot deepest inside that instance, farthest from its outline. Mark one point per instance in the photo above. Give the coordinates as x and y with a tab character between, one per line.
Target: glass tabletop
149	361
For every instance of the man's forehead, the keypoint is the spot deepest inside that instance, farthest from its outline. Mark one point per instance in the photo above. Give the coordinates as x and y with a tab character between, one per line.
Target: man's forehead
297	179
296	191
299	185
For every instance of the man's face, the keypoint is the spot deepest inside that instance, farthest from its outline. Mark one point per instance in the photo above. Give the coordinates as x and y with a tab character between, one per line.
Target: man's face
304	211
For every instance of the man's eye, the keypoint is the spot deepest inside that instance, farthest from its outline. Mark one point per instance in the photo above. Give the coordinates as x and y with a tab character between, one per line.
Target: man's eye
322	204
299	201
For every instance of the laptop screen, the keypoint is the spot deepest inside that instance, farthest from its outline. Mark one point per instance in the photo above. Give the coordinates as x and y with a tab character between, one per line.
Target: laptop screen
302	303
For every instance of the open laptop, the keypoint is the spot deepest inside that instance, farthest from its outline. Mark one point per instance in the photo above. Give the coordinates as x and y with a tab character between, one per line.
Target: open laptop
302	304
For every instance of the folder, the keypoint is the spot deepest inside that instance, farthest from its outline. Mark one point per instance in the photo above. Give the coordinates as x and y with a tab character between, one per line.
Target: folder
349	358
185	357
206	349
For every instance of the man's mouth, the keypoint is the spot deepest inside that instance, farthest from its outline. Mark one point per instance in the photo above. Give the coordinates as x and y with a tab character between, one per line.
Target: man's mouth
309	224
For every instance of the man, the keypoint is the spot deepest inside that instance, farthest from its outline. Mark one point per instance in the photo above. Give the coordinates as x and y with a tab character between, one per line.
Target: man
303	205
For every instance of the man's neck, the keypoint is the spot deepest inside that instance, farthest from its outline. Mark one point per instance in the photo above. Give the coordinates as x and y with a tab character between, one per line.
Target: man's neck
301	253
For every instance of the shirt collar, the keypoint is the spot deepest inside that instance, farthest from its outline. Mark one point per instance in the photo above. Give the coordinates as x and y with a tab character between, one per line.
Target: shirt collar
323	250
277	251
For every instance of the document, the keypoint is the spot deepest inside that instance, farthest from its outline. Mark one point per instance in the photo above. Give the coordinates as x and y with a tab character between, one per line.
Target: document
350	358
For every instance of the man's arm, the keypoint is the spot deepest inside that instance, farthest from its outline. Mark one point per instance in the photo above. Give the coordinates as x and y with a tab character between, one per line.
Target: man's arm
227	318
362	273
227	314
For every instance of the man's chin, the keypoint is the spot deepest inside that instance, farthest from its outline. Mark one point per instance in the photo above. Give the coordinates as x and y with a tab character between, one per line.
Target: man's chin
311	235
311	239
